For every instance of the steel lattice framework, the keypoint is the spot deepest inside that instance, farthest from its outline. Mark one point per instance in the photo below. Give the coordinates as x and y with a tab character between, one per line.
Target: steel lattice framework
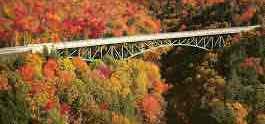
131	46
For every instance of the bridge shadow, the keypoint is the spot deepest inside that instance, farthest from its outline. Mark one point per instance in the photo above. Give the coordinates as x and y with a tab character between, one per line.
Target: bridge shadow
176	66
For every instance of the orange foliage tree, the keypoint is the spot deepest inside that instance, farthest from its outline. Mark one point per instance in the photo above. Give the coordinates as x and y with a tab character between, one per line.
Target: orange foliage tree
33	21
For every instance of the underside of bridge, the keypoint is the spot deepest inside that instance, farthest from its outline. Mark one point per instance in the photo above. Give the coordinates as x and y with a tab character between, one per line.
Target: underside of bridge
130	50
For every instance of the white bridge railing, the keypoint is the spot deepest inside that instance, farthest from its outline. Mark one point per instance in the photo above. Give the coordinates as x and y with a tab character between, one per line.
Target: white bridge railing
128	39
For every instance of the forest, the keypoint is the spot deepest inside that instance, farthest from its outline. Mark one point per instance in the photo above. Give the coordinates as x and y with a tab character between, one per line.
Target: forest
169	85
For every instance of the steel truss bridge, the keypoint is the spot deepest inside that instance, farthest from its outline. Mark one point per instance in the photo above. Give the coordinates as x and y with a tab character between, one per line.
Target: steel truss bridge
131	46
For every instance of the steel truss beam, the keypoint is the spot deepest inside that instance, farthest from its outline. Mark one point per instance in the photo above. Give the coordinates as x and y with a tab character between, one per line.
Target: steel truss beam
132	49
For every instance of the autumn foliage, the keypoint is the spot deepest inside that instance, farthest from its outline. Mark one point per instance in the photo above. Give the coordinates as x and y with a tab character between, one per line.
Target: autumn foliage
66	89
33	21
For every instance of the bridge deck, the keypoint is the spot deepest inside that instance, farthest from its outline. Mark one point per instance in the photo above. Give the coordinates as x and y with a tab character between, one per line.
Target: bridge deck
126	39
